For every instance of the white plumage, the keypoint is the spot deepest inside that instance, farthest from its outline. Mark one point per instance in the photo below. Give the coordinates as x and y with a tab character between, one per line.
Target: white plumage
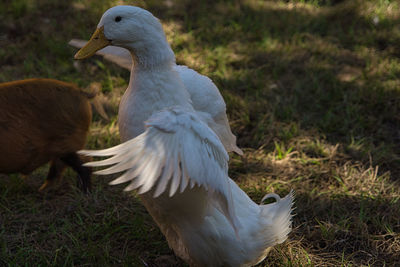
205	96
176	137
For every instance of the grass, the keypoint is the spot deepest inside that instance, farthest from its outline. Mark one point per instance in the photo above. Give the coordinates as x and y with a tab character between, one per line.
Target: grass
312	91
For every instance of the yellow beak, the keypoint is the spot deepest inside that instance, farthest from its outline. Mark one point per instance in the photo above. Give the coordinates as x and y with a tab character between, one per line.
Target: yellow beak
96	42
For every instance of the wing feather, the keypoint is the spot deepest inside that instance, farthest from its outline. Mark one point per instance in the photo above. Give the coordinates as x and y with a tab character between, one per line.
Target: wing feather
164	179
115	150
175	178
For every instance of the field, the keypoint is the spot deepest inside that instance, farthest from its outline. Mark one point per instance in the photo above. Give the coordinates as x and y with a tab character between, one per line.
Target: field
313	94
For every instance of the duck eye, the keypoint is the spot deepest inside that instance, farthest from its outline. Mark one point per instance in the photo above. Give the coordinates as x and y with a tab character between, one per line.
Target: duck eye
118	19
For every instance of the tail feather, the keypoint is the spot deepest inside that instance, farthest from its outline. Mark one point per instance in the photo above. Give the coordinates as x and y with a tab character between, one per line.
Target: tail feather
280	213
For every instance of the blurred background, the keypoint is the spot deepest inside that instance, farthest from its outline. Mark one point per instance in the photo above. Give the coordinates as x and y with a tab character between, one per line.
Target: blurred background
312	93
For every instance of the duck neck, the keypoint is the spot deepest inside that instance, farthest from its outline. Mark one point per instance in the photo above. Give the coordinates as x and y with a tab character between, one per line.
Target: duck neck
161	86
150	89
152	56
157	82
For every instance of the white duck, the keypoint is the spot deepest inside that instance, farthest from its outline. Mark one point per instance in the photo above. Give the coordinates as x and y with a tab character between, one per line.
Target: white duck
174	152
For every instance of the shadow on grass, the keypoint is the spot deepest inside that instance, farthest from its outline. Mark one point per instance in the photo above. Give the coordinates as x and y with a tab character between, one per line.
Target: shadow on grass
66	227
356	229
34	41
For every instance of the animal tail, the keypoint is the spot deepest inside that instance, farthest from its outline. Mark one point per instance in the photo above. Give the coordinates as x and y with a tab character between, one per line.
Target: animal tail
263	226
91	92
277	217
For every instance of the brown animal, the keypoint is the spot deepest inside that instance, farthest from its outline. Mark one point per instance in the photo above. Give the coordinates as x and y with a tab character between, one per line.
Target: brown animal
44	120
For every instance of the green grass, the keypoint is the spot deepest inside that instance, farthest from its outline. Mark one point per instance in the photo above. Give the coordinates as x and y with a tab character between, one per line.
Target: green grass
312	92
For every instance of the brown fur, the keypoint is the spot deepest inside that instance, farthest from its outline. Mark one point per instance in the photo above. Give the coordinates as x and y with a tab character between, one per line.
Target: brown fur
42	120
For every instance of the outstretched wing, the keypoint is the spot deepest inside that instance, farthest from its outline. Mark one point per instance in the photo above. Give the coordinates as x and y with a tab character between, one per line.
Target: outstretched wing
177	150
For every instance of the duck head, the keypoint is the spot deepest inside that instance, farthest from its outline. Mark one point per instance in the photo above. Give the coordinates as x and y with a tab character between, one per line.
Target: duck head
132	28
